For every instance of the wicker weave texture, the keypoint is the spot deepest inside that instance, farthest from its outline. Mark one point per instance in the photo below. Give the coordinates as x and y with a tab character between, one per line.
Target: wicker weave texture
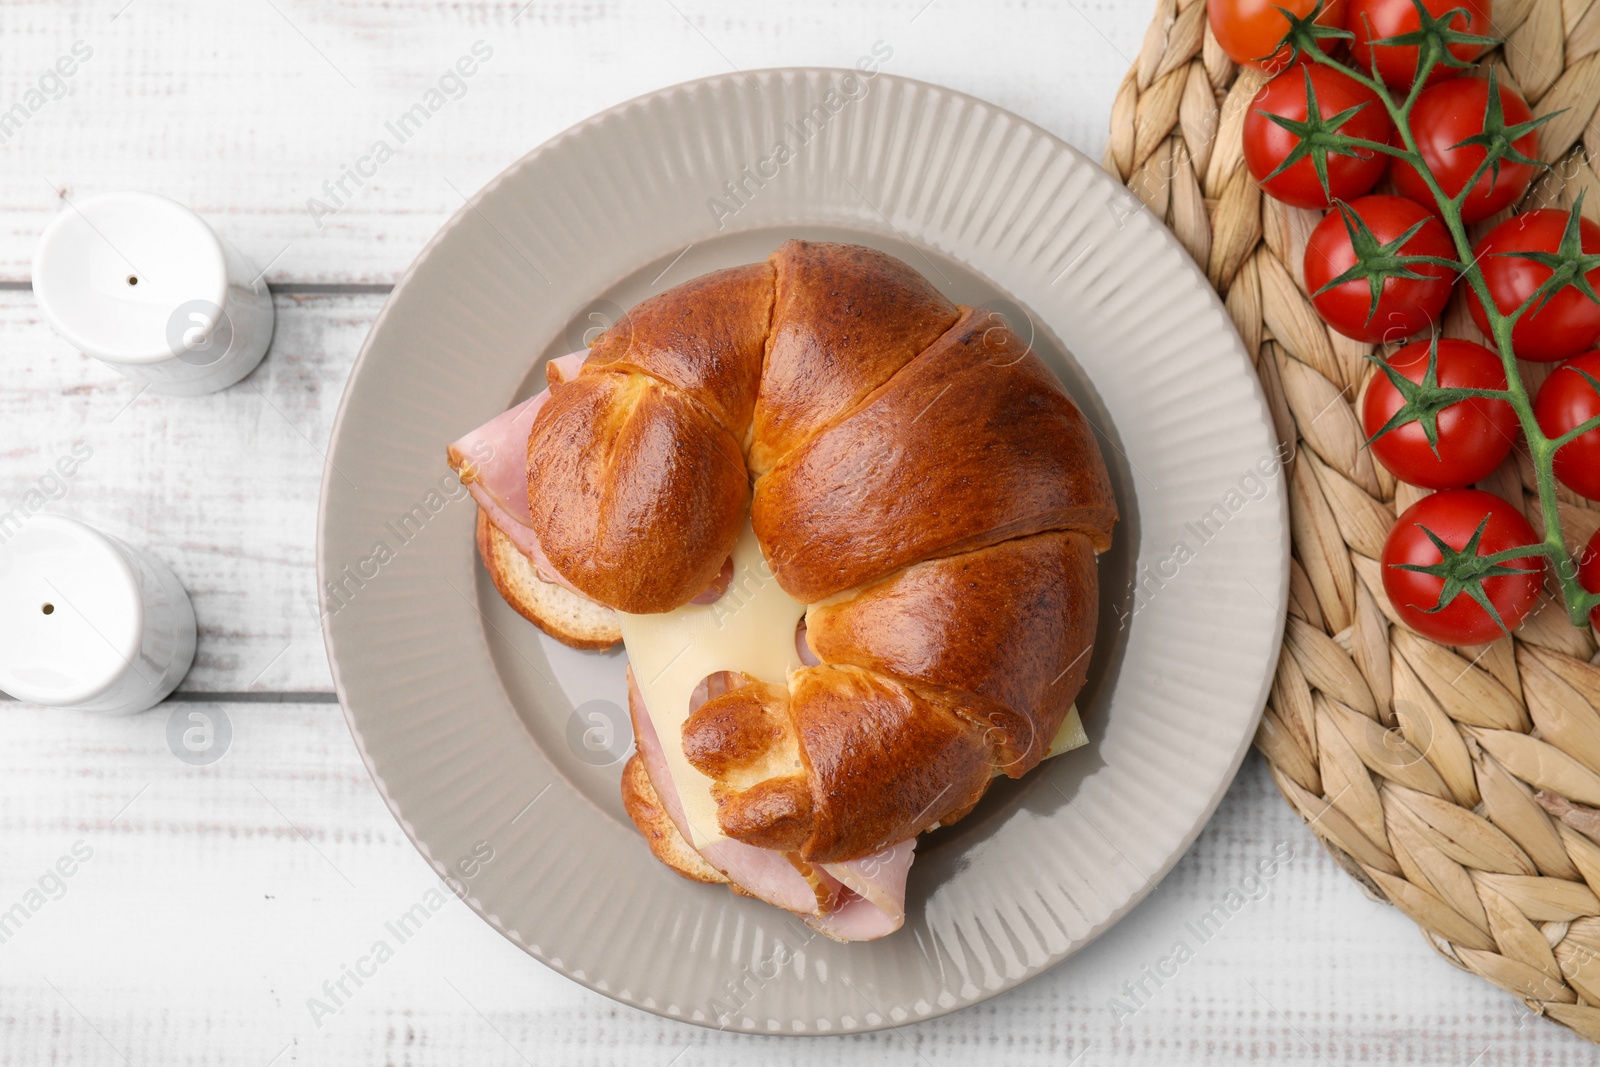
1459	784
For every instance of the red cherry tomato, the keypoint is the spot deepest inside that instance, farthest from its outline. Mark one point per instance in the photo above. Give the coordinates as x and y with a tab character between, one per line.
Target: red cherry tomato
1371	20
1267	144
1589	573
1570	322
1454	516
1406	305
1444	116
1473	435
1565	402
1251	30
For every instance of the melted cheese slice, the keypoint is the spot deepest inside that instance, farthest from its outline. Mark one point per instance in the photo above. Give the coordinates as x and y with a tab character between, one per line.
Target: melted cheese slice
1071	735
750	629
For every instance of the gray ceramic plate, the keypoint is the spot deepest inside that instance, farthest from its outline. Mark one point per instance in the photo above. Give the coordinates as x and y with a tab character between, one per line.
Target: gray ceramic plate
488	739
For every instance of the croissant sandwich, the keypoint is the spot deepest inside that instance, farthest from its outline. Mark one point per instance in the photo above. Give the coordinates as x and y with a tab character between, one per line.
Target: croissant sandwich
847	531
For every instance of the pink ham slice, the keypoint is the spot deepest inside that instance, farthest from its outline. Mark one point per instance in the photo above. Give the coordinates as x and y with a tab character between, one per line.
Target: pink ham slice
760	871
879	878
856	919
719	584
492	462
870	904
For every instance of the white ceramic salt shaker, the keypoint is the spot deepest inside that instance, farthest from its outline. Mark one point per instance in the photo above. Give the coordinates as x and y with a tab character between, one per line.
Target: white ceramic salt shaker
142	283
88	621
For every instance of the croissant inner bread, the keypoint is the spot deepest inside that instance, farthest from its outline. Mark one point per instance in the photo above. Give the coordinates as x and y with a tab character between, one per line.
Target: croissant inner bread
848	530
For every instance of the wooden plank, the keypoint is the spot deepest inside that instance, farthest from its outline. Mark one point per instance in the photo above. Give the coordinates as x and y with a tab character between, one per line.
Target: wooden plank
223	488
245	110
217	900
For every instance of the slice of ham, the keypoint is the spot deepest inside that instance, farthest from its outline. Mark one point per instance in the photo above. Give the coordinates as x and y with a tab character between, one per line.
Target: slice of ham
855	919
719	585
761	872
869	901
492	462
802	646
879	878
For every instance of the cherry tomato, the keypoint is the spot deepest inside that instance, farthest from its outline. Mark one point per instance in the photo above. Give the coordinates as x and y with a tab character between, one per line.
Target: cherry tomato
1570	322
1267	144
1472	435
1444	116
1565	402
1371	20
1589	573
1406	305
1251	30
1454	516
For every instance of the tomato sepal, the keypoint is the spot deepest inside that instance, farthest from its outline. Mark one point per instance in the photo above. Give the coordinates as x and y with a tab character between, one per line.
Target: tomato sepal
1317	136
1588	425
1377	262
1425	400
1569	265
1499	140
1432	39
1465	571
1303	34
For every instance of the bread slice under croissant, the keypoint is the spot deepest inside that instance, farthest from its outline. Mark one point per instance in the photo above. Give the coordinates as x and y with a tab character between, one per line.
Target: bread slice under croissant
920	479
561	613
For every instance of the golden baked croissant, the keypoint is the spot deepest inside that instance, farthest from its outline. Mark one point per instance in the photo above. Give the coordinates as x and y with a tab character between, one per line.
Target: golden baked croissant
919	486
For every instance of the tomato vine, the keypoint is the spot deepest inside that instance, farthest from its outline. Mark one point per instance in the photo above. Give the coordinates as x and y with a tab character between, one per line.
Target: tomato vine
1569	265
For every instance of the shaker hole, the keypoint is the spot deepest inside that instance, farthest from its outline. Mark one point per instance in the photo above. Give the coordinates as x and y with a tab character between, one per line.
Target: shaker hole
133	279
48	609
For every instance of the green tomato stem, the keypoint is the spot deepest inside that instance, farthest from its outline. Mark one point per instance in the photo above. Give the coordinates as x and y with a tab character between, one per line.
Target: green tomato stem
1541	449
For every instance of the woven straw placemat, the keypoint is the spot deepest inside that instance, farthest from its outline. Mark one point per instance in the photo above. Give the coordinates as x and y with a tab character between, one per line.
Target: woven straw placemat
1458	784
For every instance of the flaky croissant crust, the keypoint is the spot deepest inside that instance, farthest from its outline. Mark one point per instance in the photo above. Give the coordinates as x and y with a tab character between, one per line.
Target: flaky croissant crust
912	471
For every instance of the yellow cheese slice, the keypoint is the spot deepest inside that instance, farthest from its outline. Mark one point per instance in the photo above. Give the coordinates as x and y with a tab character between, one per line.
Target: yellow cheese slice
1070	736
750	629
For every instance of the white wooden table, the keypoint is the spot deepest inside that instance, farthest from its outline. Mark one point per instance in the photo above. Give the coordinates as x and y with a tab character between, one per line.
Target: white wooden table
215	900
